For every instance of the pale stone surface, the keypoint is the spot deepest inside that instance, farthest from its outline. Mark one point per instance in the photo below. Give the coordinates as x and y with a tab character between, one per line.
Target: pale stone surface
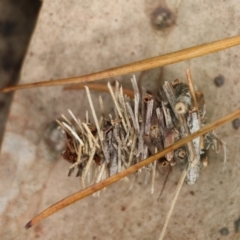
78	37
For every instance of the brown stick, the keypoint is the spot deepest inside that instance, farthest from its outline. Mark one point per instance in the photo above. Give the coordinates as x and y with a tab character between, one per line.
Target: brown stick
98	186
146	64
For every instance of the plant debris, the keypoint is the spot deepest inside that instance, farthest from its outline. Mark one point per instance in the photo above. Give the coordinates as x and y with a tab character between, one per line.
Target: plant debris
139	128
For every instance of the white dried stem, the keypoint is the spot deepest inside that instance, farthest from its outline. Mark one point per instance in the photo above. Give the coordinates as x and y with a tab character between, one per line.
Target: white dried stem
132	150
86	116
117	106
74	134
62	126
130	111
90	136
160	118
123	100
179	186
167	116
99	177
148	116
66	120
136	100
168	90
153	174
94	114
73	117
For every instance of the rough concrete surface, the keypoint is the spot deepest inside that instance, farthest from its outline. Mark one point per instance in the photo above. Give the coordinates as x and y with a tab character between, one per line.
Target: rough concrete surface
78	37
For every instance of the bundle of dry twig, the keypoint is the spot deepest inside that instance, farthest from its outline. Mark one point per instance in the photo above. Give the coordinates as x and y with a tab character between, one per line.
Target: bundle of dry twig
137	129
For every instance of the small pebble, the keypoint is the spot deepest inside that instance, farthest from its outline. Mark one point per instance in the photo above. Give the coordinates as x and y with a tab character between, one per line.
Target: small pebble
163	18
237	225
236	123
224	231
219	80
